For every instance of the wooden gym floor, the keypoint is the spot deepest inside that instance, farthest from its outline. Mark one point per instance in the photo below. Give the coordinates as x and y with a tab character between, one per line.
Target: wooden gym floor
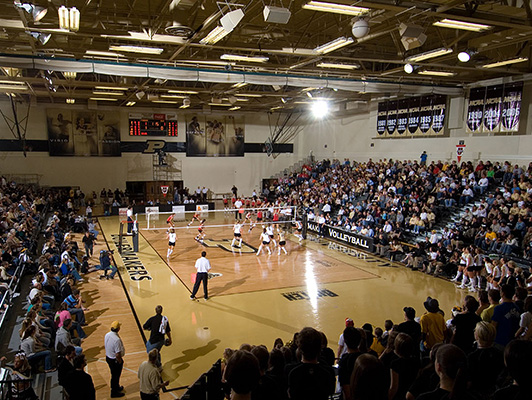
255	300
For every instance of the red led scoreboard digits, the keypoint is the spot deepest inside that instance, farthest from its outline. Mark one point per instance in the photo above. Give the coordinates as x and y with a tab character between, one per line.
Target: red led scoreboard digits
158	125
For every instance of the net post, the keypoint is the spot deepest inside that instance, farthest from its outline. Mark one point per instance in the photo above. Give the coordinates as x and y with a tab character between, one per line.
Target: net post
120	235
304	222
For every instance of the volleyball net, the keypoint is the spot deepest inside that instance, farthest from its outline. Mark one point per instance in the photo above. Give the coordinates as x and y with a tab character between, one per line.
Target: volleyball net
180	219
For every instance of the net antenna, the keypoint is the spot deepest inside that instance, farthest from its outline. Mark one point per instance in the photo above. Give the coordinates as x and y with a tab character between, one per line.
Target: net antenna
283	129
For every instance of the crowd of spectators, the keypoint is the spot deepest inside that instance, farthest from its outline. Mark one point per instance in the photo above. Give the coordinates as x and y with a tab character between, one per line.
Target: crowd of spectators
482	351
400	205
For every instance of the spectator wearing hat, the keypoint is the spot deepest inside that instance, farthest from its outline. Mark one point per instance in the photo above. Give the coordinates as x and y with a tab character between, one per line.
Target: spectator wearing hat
114	353
342	347
410	326
432	323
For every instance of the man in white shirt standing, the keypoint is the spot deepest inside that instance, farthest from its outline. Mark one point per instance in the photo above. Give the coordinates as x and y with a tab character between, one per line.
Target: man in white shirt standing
114	353
202	267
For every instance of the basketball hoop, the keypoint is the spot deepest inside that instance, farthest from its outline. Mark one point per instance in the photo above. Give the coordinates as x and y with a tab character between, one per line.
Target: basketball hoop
164	189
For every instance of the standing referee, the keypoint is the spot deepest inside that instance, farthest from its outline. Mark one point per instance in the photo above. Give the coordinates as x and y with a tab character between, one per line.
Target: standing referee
202	267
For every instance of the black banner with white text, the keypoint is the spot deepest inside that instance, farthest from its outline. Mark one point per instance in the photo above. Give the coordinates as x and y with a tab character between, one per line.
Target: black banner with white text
347	238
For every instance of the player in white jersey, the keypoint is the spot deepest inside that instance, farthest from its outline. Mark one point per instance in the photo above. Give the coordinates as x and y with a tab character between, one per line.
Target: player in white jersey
249	218
237	229
282	242
265	241
299	228
269	231
172	237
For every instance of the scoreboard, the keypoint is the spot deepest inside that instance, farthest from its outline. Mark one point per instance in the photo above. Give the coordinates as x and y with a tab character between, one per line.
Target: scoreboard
152	125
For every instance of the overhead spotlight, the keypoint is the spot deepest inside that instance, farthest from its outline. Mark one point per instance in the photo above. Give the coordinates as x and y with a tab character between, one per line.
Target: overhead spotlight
360	28
320	109
70	74
465	56
186	102
41	37
409	68
70	101
230	20
139	95
276	15
36	12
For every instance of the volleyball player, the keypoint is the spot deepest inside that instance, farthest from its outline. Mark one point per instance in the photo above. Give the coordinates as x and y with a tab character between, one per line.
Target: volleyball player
299	228
269	231
195	217
265	239
170	221
282	241
201	231
172	237
249	218
237	229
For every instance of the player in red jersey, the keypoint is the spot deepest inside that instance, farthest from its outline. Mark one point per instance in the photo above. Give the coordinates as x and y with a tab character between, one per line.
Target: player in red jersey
201	231
195	217
170	221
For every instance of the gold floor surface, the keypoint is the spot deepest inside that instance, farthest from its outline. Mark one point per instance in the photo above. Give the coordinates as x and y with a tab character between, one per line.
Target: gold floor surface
260	298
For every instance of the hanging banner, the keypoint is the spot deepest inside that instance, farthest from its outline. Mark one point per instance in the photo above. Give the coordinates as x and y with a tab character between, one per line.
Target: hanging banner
381	118
413	115
492	108
475	110
425	114
391	121
511	107
460	151
402	116
439	104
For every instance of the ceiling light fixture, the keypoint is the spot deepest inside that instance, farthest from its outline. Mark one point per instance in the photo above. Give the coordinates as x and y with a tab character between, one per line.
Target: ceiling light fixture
36	12
505	62
335	8
464	56
164	101
70	74
235	108
231	19
13	83
221	104
108	93
436	73
430	54
334	45
466	26
136	49
250	95
102	54
215	36
102	99
111	87
183	91
338	66
320	109
236	57
70	101
131	103
69	18
408	68
41	37
304	63
174	96
240	84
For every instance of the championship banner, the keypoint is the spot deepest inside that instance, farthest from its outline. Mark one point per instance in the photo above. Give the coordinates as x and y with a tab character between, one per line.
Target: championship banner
511	107
425	114
381	118
413	115
391	121
348	238
402	116
492	108
475	110
439	104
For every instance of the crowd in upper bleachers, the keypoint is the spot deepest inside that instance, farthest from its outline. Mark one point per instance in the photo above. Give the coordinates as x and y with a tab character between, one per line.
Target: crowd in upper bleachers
398	203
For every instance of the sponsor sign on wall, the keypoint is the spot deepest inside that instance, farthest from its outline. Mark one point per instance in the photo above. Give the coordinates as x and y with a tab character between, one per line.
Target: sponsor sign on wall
347	238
